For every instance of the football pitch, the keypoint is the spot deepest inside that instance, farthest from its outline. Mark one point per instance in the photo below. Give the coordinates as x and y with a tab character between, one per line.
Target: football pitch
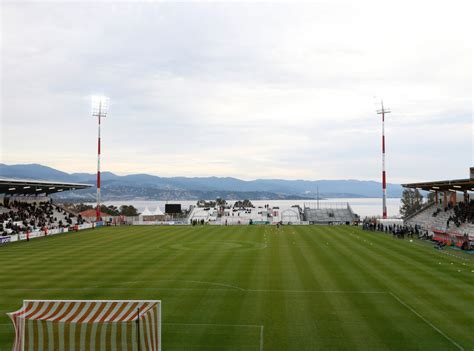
257	287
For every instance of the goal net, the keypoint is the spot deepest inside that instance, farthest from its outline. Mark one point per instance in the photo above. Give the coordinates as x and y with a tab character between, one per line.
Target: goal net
87	325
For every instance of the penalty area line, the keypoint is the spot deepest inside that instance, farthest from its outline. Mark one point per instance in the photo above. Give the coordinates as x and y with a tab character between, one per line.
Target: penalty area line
427	321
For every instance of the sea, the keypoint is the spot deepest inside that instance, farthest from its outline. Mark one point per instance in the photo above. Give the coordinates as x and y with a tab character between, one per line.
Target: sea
362	206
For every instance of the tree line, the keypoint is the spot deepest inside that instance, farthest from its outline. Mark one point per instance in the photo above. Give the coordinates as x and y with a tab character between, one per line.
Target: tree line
412	201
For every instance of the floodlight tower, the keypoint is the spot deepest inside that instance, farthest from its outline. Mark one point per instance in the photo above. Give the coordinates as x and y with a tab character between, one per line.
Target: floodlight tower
382	112
100	105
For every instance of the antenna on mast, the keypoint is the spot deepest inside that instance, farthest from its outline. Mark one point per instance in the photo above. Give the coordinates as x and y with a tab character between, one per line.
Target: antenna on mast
382	112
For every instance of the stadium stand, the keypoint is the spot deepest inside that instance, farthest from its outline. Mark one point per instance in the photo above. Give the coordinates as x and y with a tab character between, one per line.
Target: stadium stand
449	219
26	207
423	217
18	217
330	213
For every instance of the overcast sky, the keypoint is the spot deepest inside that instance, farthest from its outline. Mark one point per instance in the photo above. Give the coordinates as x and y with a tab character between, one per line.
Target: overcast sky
243	89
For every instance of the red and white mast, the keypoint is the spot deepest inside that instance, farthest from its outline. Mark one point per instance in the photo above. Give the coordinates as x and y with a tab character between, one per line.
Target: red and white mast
384	177
99	110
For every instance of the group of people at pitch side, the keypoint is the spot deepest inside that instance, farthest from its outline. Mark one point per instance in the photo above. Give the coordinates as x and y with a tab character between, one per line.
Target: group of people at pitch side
196	222
397	230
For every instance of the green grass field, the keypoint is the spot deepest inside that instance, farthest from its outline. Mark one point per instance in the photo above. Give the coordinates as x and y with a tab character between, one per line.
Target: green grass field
257	288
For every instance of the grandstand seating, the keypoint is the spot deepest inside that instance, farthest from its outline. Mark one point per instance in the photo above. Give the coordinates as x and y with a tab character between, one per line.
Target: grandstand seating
435	218
328	215
18	217
423	218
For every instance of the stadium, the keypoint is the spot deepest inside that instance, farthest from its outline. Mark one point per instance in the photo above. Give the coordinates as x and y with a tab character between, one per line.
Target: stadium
212	176
312	278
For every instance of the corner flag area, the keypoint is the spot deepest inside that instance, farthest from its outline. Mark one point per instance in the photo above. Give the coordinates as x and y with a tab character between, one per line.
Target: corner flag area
256	287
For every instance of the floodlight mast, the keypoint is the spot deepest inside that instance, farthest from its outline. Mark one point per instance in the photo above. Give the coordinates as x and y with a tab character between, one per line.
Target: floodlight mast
99	110
382	112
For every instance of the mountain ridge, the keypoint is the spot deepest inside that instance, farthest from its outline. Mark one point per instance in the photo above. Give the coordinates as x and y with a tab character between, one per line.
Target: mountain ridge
146	185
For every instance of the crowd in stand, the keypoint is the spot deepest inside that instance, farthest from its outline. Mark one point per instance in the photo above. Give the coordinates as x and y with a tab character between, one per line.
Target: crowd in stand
19	217
397	230
463	213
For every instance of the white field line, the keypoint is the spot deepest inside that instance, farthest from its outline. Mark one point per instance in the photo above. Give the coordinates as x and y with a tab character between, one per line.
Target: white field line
218	325
427	321
261	327
442	252
317	291
198	324
115	289
188	281
199	289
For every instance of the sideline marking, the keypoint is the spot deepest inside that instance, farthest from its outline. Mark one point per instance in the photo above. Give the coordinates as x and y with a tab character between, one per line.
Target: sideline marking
199	289
186	281
218	325
426	321
261	327
317	291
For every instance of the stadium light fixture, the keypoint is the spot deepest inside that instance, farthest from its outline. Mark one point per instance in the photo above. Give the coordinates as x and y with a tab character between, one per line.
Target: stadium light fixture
457	186
436	187
11	189
39	189
52	187
26	187
60	190
100	107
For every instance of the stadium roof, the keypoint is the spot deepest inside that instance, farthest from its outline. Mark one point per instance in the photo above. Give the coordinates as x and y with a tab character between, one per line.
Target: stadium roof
444	185
31	187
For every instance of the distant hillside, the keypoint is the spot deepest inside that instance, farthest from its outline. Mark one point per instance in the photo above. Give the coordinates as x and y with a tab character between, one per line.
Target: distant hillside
145	186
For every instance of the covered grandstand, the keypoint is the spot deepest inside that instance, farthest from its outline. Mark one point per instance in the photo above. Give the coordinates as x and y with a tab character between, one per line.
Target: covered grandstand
450	217
27	211
25	187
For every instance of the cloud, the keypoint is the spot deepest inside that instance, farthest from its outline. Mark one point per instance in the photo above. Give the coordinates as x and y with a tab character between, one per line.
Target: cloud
251	90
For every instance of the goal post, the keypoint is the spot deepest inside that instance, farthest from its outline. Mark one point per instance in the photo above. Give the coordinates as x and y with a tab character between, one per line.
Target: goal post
133	325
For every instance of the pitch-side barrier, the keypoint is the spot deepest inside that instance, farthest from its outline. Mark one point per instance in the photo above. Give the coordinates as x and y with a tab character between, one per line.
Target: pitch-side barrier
43	233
